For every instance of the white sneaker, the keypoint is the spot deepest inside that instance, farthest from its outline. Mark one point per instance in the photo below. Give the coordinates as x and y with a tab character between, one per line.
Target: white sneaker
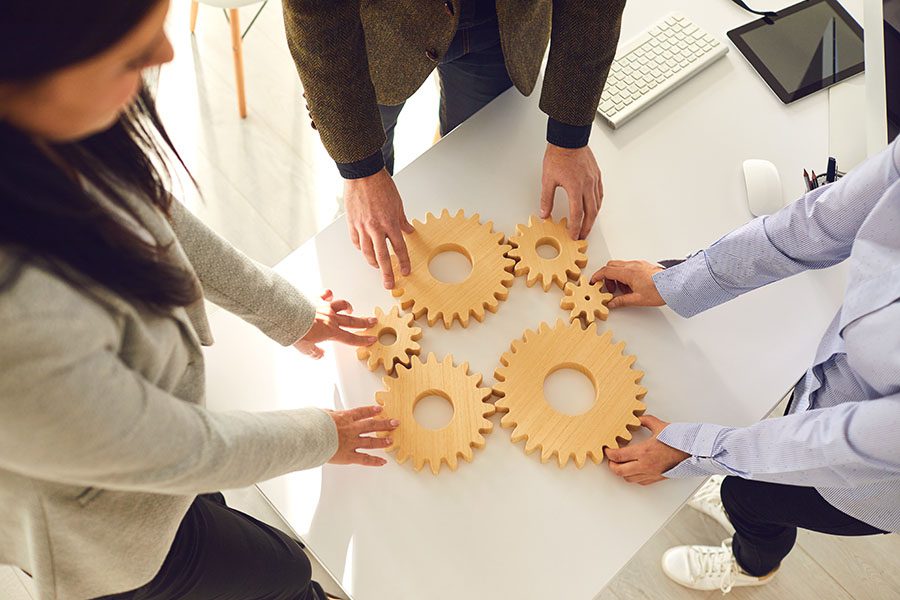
708	568
708	500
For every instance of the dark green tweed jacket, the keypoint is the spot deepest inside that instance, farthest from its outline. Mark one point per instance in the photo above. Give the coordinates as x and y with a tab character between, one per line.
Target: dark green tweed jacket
353	54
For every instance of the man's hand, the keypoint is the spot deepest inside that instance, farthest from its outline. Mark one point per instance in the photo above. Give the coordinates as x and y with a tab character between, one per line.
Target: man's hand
645	462
576	171
374	216
633	280
330	324
352	427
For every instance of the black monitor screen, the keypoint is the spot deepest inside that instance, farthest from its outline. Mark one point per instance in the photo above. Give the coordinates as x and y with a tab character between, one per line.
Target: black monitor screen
807	47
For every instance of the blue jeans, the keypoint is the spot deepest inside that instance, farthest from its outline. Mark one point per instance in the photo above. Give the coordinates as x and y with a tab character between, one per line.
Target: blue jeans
472	73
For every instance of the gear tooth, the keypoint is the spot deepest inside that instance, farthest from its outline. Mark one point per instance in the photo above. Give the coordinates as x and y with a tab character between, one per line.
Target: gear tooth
445	214
487	426
435	465
595	456
546	455
452	462
460	214
507	421
418	463
468	454
641	392
531	444
546	283
531	279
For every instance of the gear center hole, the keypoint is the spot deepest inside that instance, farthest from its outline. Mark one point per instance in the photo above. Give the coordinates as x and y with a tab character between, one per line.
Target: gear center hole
569	390
450	264
387	336
547	248
433	410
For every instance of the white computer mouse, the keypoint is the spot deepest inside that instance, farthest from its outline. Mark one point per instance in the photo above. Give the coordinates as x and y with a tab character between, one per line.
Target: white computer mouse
764	195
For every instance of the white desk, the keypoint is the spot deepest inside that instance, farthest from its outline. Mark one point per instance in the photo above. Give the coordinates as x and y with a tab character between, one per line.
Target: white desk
507	526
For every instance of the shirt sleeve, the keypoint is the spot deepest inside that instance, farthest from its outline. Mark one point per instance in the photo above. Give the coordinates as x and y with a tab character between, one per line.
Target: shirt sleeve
848	445
72	411
815	232
241	285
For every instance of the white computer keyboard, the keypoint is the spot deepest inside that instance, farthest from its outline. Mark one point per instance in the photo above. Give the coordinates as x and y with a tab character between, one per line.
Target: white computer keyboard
656	62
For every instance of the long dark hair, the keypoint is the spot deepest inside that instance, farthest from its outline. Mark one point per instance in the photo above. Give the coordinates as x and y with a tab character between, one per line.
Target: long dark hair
46	216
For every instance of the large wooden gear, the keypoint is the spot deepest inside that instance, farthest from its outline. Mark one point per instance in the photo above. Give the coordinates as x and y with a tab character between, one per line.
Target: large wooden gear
466	428
485	287
544	232
520	381
404	346
586	302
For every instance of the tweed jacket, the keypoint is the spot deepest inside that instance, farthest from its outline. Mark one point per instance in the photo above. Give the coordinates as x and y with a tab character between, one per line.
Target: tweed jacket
104	438
352	55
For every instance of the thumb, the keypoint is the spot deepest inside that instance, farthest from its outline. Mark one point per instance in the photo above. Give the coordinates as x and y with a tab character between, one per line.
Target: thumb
548	189
652	423
631	299
310	349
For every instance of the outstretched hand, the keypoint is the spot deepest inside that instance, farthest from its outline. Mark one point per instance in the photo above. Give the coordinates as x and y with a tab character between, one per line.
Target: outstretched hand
632	281
352	427
332	324
645	462
375	216
576	171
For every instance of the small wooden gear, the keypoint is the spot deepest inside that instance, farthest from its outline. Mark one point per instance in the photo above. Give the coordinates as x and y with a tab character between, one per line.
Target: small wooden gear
389	355
484	288
585	301
566	265
466	428
617	405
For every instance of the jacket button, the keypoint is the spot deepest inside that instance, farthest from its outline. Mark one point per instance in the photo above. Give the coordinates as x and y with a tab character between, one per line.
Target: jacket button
313	124
431	53
448	6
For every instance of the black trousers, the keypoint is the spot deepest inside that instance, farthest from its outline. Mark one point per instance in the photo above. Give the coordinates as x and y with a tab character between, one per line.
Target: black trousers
223	554
766	517
472	73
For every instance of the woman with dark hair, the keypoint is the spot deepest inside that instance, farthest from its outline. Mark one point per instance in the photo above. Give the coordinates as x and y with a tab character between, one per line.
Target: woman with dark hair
109	463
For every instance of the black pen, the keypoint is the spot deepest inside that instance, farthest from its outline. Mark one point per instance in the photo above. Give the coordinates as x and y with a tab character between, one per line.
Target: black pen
815	181
806	179
832	170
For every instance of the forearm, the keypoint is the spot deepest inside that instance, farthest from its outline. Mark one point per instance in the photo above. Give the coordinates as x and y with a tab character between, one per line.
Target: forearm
843	446
327	42
241	285
85	418
583	42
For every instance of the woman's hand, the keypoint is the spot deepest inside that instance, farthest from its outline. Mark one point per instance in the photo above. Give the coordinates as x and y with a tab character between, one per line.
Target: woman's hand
330	324
633	280
352	425
646	461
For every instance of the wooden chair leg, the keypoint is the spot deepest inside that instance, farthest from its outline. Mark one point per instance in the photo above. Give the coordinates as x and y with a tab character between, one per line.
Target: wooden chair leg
238	60
195	6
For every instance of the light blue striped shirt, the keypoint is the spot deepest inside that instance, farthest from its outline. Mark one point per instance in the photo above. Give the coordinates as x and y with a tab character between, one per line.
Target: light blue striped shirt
842	435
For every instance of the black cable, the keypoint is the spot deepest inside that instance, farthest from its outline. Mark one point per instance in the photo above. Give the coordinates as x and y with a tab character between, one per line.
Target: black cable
762	13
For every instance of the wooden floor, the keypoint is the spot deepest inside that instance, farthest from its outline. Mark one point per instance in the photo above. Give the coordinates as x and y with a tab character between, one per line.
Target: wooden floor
268	186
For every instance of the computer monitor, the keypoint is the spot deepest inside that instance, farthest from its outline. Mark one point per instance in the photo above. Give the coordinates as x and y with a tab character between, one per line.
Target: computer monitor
891	10
874	25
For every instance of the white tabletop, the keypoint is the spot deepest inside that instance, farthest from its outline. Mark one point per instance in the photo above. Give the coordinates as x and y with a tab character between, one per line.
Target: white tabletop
507	526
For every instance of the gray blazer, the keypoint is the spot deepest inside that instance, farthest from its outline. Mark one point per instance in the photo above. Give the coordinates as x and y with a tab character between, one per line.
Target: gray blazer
104	438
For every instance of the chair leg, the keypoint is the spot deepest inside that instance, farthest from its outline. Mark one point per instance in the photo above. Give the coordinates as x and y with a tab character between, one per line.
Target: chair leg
195	6
238	60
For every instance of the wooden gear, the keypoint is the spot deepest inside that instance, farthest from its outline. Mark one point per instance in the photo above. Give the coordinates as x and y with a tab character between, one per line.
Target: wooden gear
484	288
520	380
390	355
466	428
560	269
585	301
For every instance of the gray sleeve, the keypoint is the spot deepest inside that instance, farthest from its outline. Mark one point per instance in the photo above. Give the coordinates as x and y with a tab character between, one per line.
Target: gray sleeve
71	411
239	284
